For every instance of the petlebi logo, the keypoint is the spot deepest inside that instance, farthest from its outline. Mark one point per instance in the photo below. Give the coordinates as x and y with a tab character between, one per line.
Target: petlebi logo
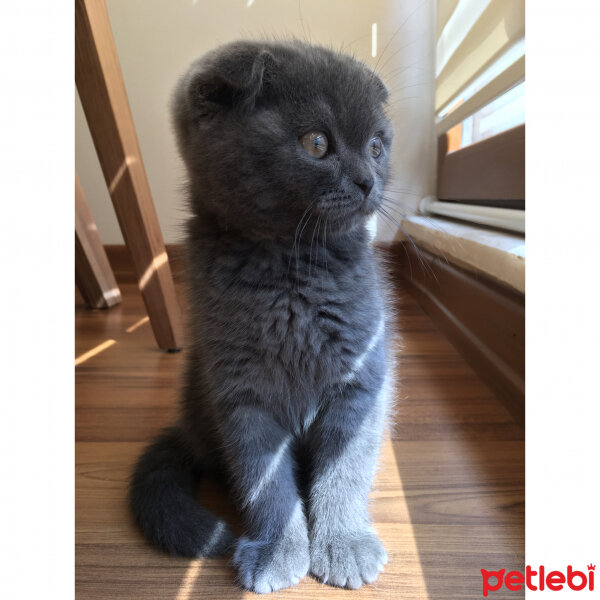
542	579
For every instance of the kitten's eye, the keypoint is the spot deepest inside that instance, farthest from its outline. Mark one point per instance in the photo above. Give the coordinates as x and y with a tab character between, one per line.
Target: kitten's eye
315	143
375	147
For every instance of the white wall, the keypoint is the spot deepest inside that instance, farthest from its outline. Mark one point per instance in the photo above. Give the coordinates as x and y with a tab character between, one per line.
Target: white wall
157	39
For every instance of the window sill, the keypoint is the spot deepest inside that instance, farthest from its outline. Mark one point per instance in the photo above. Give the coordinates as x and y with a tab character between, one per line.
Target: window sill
499	255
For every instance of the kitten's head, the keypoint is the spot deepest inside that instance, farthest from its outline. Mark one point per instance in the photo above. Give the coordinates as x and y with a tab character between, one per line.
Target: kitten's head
269	131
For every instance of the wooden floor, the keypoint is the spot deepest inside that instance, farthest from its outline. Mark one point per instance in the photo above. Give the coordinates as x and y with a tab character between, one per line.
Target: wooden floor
447	502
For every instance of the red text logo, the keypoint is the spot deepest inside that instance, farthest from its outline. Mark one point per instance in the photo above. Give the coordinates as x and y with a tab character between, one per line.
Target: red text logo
538	580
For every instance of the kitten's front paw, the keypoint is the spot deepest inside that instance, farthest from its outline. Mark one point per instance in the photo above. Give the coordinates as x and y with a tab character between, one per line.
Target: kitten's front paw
347	559
266	566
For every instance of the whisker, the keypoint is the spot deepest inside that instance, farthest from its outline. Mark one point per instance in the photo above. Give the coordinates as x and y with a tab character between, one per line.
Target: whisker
396	33
311	245
403	191
424	265
412	64
292	253
299	242
392	205
325	246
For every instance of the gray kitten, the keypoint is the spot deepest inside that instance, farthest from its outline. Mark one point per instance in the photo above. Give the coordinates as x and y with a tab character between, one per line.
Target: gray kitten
287	149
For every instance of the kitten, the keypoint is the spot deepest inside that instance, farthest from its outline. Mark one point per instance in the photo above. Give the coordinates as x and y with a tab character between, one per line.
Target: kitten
287	150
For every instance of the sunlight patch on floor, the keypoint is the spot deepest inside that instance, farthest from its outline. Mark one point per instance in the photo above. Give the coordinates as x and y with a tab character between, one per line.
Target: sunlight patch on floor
189	580
137	324
389	477
94	351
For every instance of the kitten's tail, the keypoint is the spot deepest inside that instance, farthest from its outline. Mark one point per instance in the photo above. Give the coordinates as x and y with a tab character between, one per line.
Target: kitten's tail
162	499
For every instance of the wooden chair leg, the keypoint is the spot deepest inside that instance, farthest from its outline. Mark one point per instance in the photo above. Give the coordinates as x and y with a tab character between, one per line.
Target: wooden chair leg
104	100
93	274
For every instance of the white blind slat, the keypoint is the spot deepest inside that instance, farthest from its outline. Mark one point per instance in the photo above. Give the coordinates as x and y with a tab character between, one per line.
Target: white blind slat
460	22
510	77
500	25
445	10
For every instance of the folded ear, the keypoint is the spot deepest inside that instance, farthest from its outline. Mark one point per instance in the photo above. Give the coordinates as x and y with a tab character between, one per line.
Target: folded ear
384	92
234	78
381	88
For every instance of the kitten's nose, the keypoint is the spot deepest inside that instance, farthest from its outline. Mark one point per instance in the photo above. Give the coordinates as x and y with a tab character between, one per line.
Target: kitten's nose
365	184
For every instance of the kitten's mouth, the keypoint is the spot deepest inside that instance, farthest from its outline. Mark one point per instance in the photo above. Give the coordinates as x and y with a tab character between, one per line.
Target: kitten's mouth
343	210
333	203
349	207
345	215
339	210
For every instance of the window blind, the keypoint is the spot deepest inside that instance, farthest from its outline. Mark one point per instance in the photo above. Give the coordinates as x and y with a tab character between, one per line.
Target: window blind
480	56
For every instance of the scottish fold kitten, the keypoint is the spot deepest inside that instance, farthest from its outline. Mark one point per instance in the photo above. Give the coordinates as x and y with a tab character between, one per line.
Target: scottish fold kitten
287	150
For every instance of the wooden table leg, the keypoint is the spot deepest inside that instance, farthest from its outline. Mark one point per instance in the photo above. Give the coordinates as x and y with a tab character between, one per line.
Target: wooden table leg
93	274
104	100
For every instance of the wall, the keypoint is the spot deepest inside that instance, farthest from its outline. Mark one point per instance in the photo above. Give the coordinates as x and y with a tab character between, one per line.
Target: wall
157	39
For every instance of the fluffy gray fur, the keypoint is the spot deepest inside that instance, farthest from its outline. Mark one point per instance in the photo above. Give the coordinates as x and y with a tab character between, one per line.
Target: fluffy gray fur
287	363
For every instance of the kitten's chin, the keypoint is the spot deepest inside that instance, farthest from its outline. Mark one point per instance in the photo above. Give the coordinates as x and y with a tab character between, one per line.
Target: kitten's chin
347	221
342	225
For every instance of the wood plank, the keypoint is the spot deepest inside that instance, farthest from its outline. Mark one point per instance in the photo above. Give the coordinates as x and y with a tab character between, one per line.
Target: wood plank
485	320
492	170
93	274
447	501
434	518
104	100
